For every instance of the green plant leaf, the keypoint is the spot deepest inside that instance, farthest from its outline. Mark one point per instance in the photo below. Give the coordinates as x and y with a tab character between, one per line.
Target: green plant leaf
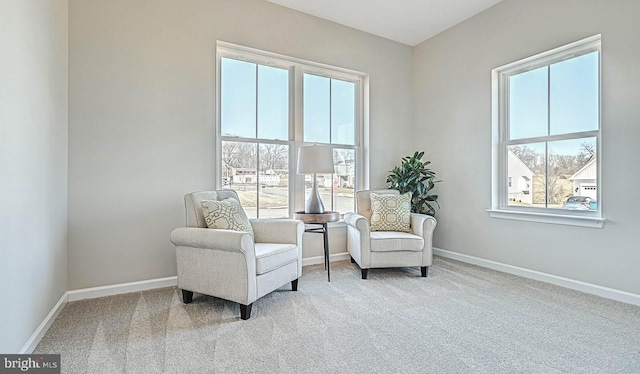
412	175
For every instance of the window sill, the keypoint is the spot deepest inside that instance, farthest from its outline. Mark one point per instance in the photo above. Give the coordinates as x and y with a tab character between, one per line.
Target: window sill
558	219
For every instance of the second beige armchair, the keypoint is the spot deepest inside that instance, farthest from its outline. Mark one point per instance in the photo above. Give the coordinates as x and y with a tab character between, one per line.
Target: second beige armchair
383	249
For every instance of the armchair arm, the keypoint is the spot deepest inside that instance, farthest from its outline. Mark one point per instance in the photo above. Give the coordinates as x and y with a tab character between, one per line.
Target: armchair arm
423	225
223	240
220	263
358	222
358	239
287	231
277	231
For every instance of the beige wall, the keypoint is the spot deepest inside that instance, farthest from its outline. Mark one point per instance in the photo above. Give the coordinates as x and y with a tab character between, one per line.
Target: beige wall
33	165
142	117
140	133
452	118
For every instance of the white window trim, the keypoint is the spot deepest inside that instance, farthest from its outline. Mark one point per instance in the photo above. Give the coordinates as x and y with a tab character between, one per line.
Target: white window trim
297	67
499	191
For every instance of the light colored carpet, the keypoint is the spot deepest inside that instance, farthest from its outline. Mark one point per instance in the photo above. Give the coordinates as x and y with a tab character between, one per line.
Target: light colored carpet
461	319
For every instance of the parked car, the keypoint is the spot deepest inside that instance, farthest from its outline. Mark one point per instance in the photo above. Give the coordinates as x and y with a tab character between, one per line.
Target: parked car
579	203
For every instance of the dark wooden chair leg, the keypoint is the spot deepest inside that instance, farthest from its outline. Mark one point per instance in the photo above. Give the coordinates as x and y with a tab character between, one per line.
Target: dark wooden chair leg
294	285
425	270
352	260
365	272
187	296
245	311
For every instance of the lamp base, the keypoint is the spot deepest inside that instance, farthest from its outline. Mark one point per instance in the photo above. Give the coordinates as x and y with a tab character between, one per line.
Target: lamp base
314	203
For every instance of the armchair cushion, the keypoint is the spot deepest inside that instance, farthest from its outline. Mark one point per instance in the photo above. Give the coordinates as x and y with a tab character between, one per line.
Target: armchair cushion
387	241
226	214
270	256
391	212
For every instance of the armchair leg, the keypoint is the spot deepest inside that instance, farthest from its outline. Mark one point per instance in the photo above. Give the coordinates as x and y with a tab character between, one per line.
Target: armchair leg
187	296
425	270
294	285
245	311
352	260
365	272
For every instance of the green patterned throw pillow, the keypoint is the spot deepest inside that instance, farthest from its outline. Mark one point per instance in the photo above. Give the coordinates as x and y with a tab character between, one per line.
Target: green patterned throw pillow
391	212
226	214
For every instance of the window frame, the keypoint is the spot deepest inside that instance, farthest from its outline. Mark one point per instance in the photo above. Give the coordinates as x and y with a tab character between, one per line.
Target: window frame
297	68
501	141
305	69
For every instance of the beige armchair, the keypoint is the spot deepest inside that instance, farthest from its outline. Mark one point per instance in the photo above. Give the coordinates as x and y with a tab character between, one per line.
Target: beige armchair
383	249
231	264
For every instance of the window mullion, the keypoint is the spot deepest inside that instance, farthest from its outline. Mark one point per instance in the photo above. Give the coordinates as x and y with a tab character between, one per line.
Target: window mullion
297	188
546	143
546	174
331	137
506	136
548	100
257	147
503	137
506	129
568	136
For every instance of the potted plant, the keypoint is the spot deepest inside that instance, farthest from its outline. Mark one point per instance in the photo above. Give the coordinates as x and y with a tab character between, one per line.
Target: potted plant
413	176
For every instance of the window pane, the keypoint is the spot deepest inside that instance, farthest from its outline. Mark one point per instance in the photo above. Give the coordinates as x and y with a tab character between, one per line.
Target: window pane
526	181
528	104
574	94
273	198
273	103
239	173
343	110
345	166
238	98
572	181
316	109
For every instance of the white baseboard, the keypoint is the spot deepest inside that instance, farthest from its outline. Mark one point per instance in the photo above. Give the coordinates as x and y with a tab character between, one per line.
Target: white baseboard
37	335
115	289
91	293
320	259
609	293
94	292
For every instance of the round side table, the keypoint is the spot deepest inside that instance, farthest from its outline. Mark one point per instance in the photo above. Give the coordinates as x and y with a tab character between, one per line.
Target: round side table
320	219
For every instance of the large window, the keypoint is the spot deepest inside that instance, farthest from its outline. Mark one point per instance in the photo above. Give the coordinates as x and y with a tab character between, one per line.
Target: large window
269	106
547	135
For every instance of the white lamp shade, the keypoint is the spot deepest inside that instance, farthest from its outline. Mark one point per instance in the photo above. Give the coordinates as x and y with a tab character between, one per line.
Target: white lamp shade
315	159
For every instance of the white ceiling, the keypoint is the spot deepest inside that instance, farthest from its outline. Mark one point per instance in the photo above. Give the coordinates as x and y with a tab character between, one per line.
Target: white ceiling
406	21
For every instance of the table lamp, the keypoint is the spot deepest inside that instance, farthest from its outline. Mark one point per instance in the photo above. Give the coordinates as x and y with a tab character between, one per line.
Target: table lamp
314	159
